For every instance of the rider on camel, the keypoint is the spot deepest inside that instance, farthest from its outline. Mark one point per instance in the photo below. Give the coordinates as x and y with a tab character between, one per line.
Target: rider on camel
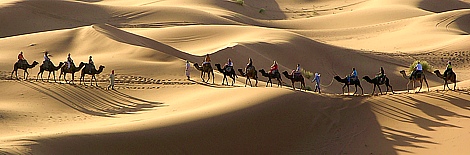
296	71
249	66
381	75
21	59
229	65
418	70
92	64
20	56
448	69
46	59
69	61
274	68
353	75
207	60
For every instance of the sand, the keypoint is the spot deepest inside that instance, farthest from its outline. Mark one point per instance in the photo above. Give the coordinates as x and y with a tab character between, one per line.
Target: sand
155	109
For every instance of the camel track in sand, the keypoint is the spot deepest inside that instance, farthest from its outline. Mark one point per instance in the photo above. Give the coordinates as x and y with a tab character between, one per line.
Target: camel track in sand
122	81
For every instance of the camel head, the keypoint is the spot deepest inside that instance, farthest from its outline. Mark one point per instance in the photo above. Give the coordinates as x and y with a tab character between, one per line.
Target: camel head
287	75
101	68
403	72
337	78
241	71
262	71
35	63
368	79
218	66
437	72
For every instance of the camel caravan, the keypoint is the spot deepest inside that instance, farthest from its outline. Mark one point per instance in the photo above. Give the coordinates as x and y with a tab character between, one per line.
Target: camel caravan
249	72
65	67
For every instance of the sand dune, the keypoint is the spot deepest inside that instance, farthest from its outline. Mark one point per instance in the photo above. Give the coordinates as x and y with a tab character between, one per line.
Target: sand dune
156	110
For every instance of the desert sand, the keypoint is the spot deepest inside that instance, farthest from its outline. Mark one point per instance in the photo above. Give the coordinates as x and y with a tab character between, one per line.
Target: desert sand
156	110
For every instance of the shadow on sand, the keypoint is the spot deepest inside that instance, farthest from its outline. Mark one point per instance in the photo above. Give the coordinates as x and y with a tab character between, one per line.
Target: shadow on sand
93	101
397	107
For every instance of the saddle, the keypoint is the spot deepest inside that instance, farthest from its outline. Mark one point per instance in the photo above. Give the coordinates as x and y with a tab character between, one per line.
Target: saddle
249	69
416	75
228	68
46	63
297	75
22	63
206	66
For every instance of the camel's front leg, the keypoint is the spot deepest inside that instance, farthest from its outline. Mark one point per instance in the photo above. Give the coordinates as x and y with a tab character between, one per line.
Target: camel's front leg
48	76
380	89
96	81
27	74
342	90
373	90
53	74
355	90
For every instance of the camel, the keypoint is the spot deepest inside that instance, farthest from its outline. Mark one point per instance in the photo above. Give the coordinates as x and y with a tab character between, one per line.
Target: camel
295	79
251	74
205	69
377	83
64	70
25	66
50	68
414	79
90	71
226	73
355	82
271	76
450	77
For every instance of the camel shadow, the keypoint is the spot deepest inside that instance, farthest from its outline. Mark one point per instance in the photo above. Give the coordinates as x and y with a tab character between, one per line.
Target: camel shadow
97	102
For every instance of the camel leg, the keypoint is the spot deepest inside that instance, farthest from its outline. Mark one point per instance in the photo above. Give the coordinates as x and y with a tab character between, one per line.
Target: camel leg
373	90
11	76
380	90
256	84
37	76
48	76
343	88
293	85
96	81
212	77
355	90
420	86
427	86
53	74
362	90
455	84
303	85
27	74
73	78
91	80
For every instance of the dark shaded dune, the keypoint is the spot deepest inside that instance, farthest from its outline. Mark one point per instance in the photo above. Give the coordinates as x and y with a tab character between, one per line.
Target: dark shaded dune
57	15
463	22
439	6
298	123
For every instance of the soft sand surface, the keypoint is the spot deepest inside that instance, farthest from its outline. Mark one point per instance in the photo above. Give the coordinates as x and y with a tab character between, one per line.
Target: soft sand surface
156	110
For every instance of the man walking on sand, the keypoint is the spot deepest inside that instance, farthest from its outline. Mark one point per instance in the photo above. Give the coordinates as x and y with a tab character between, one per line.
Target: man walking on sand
317	82
188	66
111	80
